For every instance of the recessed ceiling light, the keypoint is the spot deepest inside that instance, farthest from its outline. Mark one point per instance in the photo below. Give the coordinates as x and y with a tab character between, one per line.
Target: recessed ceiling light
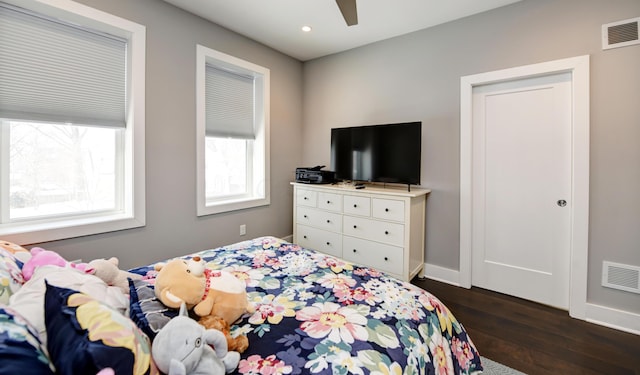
306	28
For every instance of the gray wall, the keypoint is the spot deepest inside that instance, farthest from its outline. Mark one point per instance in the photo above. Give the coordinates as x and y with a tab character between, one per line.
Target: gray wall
417	77
172	225
413	77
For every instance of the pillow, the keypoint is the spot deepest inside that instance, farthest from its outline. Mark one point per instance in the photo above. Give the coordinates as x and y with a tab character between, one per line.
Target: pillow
86	336
18	251
29	300
21	351
146	310
10	275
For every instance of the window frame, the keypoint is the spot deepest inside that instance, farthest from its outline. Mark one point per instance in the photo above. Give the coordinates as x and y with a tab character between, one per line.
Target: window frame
259	151
133	213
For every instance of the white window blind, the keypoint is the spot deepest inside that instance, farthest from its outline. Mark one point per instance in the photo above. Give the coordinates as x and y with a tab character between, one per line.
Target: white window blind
56	72
229	104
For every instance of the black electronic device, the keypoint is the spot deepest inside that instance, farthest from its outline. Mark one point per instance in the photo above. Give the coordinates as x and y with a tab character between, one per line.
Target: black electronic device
389	153
314	175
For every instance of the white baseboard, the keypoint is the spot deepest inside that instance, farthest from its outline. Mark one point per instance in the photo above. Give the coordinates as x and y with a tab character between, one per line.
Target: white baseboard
596	314
438	273
613	318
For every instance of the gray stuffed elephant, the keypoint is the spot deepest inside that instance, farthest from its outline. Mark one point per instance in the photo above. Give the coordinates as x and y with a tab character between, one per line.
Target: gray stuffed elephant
185	347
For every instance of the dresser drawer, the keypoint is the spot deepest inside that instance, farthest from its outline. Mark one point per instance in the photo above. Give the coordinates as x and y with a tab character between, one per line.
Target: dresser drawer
329	201
381	231
318	239
388	209
378	227
354	205
306	198
320	219
383	257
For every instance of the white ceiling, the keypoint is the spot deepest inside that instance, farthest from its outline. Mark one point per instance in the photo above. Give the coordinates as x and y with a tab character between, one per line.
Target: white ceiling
278	23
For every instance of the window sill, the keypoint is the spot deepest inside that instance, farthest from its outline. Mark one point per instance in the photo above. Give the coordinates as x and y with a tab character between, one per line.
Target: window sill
231	205
46	231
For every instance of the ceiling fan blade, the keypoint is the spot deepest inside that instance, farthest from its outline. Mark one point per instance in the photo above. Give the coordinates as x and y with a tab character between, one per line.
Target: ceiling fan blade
348	10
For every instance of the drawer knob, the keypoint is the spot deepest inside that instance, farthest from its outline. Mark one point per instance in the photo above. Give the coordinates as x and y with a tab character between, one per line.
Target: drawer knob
304	237
386	232
328	243
386	210
355	206
305	216
328	202
328	221
354	250
386	259
355	226
305	198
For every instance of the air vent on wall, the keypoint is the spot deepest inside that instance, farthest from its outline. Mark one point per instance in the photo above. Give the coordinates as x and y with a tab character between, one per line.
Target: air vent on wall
620	34
621	276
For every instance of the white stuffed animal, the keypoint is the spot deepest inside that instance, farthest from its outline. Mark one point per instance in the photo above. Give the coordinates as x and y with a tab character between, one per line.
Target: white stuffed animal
184	347
107	270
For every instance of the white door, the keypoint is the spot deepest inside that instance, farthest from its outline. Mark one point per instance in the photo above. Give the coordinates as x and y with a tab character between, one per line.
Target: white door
521	178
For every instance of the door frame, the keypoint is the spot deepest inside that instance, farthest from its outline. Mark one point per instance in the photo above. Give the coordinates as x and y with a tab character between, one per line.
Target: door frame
579	196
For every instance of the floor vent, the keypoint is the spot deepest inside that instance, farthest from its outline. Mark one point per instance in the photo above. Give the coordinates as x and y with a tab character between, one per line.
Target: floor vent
621	276
621	33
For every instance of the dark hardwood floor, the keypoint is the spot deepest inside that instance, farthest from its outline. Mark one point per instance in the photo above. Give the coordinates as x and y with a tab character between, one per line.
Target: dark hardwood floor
534	338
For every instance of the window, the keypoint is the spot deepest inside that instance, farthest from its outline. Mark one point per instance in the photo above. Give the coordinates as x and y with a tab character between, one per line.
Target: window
232	133
71	121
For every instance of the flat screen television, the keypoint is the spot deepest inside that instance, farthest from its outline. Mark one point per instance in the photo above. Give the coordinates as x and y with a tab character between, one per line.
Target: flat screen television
387	153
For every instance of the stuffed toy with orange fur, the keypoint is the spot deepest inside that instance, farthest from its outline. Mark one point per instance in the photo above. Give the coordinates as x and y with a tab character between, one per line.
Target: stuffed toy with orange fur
208	292
237	344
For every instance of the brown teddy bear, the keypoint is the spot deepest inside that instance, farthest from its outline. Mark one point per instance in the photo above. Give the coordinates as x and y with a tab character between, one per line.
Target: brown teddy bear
237	344
208	292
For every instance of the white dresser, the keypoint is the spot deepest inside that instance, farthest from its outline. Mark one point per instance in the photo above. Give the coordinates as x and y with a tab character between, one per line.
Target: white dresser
377	227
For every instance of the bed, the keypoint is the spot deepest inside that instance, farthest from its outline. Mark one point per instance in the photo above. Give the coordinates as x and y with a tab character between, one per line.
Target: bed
316	314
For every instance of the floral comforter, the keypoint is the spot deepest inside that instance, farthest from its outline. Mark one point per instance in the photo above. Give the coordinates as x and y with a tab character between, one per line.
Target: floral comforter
316	314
